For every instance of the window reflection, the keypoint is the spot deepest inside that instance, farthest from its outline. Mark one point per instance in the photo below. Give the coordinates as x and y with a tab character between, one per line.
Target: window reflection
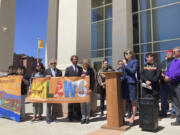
108	52
108	34
144	4
163	46
135	29
97	35
136	49
145	27
95	54
166	23
146	48
108	1
97	3
156	3
134	5
101	29
108	11
97	14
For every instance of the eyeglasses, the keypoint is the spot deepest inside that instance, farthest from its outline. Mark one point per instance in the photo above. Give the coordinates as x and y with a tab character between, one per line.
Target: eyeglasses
53	63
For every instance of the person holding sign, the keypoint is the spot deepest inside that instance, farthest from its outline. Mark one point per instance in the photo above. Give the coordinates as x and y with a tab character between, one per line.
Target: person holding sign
37	107
86	107
74	70
52	108
24	86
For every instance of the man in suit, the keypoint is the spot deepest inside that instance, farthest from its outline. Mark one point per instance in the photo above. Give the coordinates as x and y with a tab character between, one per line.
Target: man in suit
74	70
52	108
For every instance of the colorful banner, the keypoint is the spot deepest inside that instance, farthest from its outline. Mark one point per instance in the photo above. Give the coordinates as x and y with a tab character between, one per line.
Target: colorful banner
59	90
10	97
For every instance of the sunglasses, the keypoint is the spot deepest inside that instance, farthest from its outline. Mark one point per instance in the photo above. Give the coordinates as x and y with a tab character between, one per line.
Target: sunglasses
53	63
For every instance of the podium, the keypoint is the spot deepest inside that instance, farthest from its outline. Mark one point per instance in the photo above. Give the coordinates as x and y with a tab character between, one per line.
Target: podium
114	101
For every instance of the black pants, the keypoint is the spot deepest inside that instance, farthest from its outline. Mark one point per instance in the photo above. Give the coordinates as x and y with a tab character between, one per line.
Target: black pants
154	92
51	111
102	98
74	111
175	93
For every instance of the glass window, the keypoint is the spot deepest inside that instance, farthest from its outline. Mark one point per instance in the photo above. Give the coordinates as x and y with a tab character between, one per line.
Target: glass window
146	48
97	35
136	49
156	3
166	23
159	57
108	12
144	4
135	29
108	1
109	61
134	5
108	52
97	14
163	46
97	3
108	34
95	54
145	27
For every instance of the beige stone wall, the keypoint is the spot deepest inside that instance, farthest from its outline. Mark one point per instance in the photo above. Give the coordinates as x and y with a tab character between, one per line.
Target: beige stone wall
122	33
52	29
7	30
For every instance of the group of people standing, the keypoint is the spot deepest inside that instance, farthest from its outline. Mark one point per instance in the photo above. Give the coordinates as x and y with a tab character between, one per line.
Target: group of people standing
167	74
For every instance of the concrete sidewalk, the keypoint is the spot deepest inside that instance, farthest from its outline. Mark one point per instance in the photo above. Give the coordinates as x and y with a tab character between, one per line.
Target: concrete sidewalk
63	127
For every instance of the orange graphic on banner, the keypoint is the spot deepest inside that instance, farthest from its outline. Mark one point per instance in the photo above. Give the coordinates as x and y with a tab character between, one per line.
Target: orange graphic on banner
60	90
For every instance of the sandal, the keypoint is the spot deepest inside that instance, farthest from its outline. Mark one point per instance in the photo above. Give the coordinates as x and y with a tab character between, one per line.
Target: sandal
33	119
40	118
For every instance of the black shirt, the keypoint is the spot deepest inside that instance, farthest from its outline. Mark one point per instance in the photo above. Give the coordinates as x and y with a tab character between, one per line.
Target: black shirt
24	87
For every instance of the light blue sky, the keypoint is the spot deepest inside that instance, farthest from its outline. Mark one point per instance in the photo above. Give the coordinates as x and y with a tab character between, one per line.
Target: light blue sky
31	22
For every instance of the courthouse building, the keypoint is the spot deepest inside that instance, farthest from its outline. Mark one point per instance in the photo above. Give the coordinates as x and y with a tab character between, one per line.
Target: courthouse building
103	29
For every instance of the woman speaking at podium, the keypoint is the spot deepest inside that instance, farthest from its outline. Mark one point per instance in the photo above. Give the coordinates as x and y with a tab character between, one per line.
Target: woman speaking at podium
129	82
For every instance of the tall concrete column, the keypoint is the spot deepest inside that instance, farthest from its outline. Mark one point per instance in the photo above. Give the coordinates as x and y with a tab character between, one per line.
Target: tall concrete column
74	30
52	30
7	32
122	33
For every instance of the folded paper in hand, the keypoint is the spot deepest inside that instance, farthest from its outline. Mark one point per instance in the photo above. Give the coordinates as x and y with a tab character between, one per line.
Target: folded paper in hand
145	86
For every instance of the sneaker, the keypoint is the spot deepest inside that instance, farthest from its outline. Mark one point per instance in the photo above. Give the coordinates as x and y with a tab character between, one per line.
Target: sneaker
40	118
175	123
131	124
22	119
173	116
102	113
83	121
34	119
55	120
87	121
48	121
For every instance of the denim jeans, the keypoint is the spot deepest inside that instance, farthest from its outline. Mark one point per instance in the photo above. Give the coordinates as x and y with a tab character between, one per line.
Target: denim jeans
164	93
23	98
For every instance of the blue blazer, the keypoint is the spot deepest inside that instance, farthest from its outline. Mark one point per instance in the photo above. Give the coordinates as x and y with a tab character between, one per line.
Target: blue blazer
130	72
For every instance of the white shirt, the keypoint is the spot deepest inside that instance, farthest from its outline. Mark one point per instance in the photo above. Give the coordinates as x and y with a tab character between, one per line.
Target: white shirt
53	72
74	68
